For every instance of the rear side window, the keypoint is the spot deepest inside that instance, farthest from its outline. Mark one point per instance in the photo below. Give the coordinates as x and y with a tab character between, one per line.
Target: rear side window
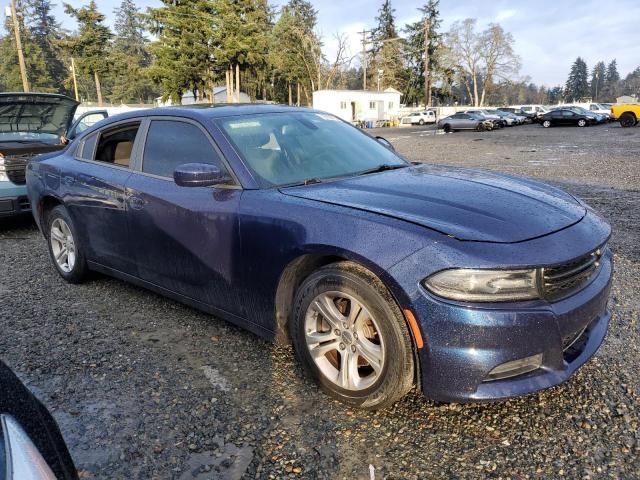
116	145
171	143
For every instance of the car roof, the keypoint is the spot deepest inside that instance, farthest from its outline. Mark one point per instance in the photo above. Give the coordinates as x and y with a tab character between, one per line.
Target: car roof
208	111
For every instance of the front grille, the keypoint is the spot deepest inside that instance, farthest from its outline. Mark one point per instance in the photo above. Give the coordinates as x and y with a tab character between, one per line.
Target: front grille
563	280
16	166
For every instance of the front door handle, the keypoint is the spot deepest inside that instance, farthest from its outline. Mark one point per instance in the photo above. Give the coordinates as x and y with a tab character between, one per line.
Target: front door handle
68	180
136	203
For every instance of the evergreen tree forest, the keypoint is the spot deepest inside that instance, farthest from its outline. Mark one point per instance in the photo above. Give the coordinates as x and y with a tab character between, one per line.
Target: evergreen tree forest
274	53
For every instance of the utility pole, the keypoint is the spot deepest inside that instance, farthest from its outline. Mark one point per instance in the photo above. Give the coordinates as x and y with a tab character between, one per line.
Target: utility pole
427	71
16	29
364	57
75	80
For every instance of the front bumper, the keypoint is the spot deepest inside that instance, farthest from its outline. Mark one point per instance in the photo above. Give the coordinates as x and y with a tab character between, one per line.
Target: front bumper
464	343
13	199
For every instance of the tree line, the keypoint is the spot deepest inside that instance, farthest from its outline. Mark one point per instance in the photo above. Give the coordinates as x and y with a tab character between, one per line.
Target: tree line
275	54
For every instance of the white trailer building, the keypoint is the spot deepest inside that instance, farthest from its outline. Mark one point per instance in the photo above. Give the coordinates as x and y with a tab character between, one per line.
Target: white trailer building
359	105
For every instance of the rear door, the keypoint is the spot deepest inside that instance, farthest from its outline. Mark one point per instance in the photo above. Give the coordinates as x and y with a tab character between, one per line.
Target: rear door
185	239
97	199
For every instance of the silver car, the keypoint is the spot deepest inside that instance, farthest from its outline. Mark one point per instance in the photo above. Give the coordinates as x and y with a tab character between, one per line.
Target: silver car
463	121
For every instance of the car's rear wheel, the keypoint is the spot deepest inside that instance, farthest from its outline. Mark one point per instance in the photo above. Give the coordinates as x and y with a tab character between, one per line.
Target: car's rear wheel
66	253
546	123
351	336
582	122
627	120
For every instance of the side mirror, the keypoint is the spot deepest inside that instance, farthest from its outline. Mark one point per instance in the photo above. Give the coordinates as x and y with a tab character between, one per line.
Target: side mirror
199	175
386	143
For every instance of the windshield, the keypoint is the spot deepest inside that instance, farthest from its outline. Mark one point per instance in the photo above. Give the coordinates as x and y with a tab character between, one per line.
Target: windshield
28	137
294	147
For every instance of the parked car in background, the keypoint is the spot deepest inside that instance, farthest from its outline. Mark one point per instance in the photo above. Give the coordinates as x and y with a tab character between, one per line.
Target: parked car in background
32	124
597	117
536	110
465	121
628	114
471	284
421	118
31	445
566	116
510	119
527	117
497	121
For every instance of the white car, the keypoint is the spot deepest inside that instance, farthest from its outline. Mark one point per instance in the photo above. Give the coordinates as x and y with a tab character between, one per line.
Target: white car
420	118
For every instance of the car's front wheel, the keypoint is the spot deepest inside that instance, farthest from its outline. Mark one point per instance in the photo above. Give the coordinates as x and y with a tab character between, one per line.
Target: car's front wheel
66	253
582	123
351	336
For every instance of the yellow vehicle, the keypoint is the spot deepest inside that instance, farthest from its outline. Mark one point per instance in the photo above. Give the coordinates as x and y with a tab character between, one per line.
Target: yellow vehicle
628	114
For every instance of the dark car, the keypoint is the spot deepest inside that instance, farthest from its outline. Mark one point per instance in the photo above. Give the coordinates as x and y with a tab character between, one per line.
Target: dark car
565	116
296	225
32	124
31	445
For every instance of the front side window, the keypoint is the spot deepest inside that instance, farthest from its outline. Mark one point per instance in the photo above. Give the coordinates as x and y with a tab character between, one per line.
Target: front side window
115	145
171	143
288	148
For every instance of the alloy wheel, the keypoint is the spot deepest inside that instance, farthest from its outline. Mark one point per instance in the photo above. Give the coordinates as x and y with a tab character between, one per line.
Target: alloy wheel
344	340
62	245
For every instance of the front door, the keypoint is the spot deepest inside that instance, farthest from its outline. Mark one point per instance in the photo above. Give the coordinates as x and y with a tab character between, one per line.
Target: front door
185	238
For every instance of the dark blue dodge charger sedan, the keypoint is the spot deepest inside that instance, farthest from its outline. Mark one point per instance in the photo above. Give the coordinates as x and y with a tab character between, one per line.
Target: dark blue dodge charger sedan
303	229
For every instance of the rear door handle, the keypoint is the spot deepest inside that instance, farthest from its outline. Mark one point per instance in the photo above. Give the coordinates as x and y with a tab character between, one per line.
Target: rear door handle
136	203
68	180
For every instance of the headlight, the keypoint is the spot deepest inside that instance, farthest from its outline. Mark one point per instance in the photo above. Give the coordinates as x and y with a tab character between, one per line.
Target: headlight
3	170
484	285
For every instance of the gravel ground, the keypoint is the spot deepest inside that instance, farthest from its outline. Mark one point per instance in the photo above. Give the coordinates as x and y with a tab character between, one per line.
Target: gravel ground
144	387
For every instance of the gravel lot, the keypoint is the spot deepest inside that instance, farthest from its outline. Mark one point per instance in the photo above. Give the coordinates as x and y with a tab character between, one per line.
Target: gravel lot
144	387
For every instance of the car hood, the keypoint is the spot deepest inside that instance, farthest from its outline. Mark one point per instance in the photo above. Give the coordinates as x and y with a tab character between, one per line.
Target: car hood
36	113
466	204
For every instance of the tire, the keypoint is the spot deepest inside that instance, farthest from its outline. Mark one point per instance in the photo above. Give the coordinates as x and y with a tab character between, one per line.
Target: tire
344	290
627	120
421	122
61	237
546	123
582	122
447	128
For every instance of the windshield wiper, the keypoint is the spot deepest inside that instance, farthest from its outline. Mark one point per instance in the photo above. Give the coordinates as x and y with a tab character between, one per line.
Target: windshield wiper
306	181
381	168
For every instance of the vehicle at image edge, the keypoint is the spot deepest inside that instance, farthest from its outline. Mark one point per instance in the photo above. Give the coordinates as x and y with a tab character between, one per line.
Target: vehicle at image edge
628	114
566	117
31	445
422	118
32	124
465	121
293	224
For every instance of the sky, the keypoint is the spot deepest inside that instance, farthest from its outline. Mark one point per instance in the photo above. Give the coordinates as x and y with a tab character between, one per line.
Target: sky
549	34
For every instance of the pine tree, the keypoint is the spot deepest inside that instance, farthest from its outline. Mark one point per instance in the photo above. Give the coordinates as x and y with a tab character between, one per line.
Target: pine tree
420	78
130	57
47	34
387	68
184	51
612	82
598	79
577	85
90	45
36	66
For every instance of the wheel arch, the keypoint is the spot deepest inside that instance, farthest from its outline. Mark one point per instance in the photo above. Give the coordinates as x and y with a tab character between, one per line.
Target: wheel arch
298	269
45	205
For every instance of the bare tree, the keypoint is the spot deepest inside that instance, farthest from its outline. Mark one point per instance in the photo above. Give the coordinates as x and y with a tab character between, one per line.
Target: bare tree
480	58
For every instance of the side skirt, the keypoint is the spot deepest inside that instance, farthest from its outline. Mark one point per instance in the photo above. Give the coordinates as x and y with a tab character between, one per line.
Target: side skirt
204	307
